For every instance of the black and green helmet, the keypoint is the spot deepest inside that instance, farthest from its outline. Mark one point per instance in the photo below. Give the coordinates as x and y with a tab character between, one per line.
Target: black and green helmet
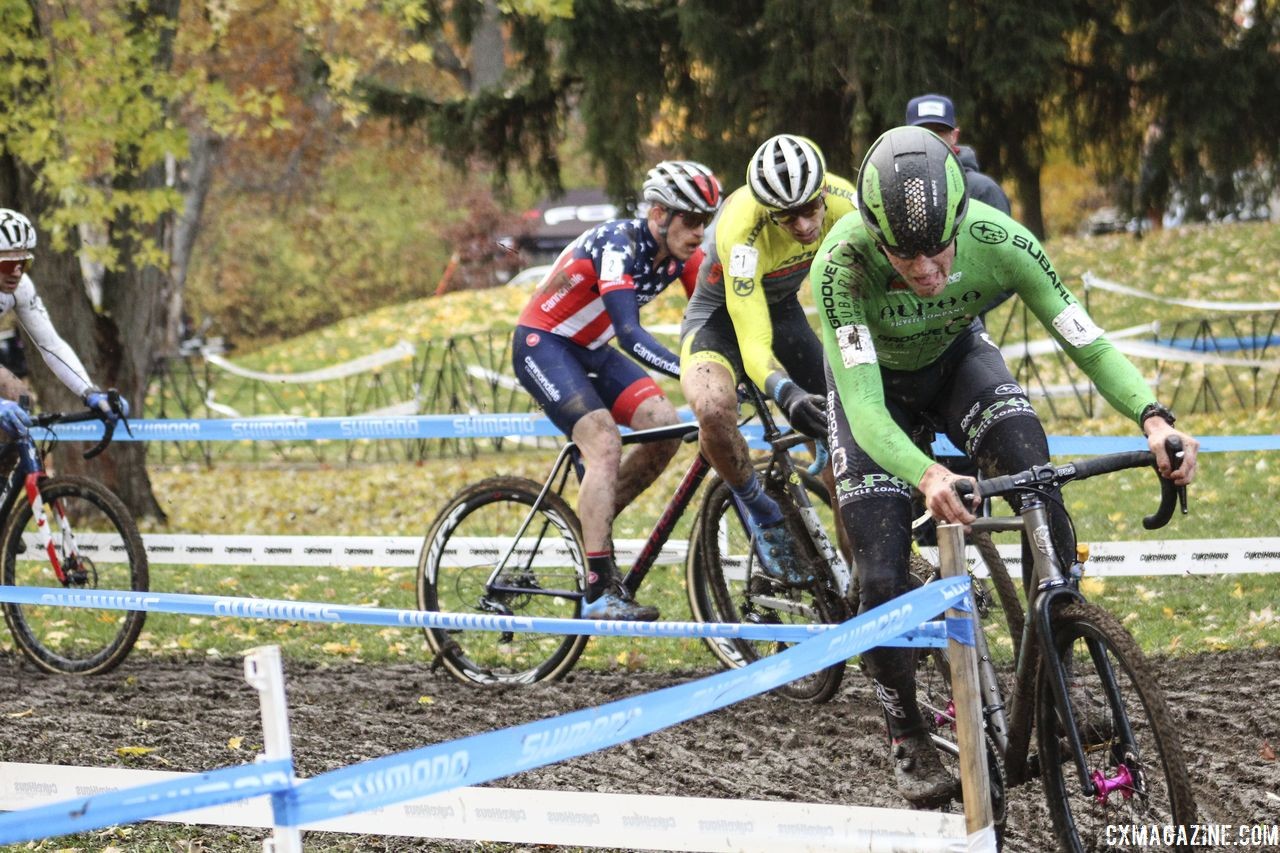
911	192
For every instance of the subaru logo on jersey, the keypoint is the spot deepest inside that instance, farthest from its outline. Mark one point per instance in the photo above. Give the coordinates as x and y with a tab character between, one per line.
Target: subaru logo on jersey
532	339
1008	388
988	232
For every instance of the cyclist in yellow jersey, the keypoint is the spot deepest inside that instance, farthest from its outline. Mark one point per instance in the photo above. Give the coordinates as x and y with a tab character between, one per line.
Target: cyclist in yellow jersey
745	318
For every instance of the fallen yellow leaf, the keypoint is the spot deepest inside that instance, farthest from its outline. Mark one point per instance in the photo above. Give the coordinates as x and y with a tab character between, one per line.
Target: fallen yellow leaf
234	743
133	751
17	715
1093	586
425	700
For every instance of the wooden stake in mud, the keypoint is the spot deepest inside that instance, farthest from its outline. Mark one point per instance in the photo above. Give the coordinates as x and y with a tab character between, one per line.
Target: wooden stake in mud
967	696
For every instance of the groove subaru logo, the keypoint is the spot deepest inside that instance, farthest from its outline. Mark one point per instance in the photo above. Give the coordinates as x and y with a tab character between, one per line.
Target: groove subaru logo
988	232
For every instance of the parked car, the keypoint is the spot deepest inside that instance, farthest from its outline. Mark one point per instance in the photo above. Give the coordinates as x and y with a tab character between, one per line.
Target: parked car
530	276
556	222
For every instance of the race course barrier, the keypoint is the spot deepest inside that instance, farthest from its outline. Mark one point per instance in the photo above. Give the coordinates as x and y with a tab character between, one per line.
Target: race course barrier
1133	558
514	425
396	779
928	634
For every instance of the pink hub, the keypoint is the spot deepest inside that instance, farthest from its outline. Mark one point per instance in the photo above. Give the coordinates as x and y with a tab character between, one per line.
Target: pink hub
948	718
1122	782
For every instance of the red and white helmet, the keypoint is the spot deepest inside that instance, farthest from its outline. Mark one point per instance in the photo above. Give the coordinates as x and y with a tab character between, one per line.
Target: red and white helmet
683	185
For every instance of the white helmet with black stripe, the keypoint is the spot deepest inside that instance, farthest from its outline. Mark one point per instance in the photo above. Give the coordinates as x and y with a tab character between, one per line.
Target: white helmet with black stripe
682	185
786	172
17	234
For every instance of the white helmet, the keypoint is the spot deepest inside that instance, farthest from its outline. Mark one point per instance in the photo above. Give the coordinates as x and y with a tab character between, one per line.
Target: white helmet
786	172
17	234
682	185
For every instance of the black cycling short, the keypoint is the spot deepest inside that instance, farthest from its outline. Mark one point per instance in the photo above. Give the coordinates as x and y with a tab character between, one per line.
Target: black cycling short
795	344
970	395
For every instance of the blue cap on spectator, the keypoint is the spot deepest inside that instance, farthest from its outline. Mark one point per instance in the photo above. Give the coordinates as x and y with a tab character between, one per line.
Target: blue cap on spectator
931	109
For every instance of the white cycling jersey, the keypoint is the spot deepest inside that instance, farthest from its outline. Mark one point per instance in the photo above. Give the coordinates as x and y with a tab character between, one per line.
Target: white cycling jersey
56	352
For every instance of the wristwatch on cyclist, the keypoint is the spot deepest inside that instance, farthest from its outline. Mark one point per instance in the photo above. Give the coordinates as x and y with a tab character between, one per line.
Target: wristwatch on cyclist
1156	410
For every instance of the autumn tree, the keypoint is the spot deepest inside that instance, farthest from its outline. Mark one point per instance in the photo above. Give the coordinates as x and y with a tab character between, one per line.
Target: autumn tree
710	78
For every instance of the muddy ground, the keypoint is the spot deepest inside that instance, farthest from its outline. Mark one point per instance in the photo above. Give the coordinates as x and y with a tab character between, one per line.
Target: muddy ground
767	748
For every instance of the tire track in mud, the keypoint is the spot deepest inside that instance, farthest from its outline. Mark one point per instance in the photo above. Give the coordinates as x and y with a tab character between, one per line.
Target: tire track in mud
187	712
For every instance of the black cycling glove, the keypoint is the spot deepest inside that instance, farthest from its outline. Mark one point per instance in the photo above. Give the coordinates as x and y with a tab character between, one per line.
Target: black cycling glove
806	412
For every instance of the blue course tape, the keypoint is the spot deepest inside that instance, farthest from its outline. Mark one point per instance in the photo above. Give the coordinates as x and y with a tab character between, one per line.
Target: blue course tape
493	755
82	814
501	425
307	611
960	629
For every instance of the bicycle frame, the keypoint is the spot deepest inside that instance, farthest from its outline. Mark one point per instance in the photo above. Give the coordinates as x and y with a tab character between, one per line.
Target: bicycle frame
1012	731
28	472
569	459
792	480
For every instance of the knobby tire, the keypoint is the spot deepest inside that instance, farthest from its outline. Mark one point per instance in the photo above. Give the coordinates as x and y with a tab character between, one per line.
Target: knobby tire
720	590
74	640
1080	822
459	553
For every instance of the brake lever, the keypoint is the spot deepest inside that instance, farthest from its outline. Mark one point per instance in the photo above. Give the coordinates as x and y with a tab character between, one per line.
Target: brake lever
109	429
1170	495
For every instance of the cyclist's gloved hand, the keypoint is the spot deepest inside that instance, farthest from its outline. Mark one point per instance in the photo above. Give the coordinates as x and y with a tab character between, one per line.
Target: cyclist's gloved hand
102	401
806	412
13	418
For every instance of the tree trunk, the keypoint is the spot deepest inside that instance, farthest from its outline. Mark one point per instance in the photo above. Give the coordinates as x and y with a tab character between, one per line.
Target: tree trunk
488	50
194	177
1027	177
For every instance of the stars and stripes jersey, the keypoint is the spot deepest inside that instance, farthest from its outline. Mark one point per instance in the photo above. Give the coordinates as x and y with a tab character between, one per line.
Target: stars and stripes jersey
597	285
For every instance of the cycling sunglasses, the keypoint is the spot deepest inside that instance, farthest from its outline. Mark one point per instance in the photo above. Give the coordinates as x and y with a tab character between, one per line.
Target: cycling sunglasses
10	266
789	216
694	220
911	254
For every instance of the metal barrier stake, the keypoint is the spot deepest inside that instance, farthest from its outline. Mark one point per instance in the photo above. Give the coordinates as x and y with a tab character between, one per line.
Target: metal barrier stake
974	780
264	671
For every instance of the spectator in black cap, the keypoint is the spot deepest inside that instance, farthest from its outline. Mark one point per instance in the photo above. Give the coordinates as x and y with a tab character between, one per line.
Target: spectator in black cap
938	114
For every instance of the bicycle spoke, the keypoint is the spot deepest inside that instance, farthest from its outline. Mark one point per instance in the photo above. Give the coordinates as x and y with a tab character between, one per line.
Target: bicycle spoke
93	542
541	577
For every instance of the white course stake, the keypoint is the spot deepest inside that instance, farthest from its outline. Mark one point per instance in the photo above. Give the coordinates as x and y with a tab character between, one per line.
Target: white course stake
263	670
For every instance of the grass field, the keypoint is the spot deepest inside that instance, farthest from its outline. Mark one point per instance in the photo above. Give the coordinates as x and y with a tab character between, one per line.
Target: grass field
1234	497
1169	615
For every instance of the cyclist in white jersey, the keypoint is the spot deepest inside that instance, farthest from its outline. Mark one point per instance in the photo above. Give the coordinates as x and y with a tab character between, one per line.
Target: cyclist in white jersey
18	294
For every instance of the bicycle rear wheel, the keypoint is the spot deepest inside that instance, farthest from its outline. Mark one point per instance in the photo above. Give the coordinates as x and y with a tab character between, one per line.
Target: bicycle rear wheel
543	578
98	546
1146	776
724	585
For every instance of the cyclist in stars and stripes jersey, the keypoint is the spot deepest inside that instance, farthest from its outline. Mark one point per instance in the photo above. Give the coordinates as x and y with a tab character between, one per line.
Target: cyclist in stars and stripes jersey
561	356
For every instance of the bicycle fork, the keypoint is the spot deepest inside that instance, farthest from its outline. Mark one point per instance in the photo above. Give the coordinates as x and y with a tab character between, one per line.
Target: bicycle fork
44	536
1096	785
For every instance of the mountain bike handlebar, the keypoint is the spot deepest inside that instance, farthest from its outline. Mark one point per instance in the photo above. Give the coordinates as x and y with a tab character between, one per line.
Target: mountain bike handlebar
1051	477
50	419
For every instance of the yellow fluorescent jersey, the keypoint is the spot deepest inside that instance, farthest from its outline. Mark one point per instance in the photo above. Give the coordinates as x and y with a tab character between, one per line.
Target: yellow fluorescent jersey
751	264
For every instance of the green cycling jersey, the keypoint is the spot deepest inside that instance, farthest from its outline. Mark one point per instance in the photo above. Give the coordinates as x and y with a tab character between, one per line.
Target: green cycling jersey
871	319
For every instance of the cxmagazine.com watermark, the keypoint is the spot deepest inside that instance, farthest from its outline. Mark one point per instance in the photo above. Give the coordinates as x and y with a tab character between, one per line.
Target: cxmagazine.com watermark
1211	836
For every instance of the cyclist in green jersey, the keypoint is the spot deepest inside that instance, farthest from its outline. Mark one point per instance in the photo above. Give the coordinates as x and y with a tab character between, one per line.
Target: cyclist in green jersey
745	319
898	288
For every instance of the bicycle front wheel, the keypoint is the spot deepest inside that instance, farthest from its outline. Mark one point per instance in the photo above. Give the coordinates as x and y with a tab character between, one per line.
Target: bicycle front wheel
1141	779
543	576
725	585
97	545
